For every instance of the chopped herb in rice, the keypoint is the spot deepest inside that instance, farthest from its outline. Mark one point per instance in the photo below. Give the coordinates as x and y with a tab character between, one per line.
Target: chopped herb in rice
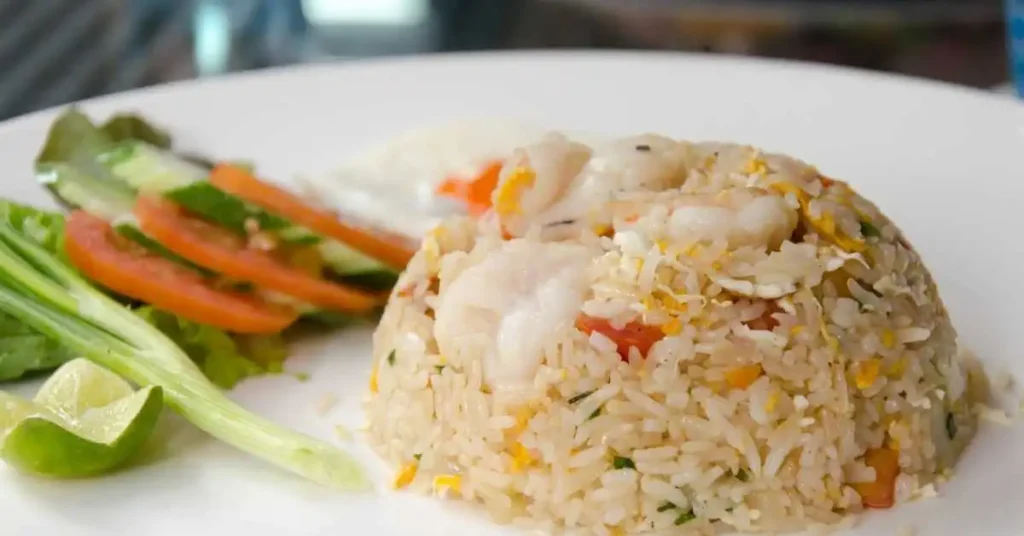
622	462
580	397
666	506
869	230
685	517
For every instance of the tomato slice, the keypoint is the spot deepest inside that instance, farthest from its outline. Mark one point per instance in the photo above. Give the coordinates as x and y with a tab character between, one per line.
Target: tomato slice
100	254
227	253
475	193
387	248
637	334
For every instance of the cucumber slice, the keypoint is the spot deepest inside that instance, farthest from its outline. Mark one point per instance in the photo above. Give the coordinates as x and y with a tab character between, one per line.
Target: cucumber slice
369	280
307	311
110	200
353	268
149	169
128	227
76	188
226	210
331	319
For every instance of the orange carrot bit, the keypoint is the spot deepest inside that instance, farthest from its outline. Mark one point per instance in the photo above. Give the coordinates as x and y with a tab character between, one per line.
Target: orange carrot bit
744	376
882	492
475	193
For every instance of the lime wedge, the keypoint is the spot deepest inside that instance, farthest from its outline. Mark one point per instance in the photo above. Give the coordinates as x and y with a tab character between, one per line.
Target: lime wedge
84	421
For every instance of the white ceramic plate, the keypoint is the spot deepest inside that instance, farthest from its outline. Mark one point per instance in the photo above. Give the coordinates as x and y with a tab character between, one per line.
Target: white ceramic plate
943	161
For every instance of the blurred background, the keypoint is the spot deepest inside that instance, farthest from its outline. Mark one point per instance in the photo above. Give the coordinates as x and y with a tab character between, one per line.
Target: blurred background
56	51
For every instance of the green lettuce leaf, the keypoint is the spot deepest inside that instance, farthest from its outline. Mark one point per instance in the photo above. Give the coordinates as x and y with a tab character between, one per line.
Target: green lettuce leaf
224	359
42	227
74	138
133	127
24	350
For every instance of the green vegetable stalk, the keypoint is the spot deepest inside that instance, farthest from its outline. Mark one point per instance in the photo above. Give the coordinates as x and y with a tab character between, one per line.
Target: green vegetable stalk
41	291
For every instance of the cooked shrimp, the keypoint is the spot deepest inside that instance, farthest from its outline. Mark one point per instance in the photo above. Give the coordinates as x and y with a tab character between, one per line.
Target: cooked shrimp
565	181
741	216
536	177
505	307
640	163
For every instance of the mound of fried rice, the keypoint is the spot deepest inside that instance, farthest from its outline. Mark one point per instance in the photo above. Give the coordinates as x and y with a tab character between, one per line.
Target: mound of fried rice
656	335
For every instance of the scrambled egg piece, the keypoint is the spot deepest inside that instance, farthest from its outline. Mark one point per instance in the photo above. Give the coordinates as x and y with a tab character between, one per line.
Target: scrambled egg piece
772	402
897	368
756	166
744	376
888	338
674	326
506	202
867	372
373	381
406	475
523	417
444	483
521	458
825	224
